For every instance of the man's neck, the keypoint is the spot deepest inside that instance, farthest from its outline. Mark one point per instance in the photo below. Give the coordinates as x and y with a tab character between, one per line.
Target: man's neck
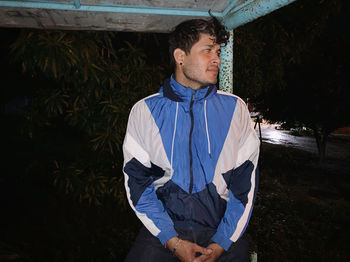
182	80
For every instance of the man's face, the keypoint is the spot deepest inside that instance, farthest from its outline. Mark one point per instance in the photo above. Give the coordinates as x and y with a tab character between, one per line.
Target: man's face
201	66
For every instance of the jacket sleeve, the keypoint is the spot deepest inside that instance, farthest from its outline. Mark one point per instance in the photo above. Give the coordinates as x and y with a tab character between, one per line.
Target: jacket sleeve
140	173
242	182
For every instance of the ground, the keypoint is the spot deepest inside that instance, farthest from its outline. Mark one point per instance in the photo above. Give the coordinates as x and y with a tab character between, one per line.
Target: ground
338	146
302	213
302	210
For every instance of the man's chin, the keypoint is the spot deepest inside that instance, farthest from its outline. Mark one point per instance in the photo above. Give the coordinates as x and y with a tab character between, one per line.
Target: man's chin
213	81
209	83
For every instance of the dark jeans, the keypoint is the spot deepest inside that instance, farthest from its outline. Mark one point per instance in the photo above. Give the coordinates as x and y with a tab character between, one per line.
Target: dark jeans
148	248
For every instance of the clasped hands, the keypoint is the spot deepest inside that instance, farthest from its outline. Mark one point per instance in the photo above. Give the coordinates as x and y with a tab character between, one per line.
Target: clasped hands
186	250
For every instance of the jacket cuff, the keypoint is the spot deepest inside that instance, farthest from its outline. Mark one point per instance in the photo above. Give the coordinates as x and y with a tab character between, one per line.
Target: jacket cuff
164	236
222	241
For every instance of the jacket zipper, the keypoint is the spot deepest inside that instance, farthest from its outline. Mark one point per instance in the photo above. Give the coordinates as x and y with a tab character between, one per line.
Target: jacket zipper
190	144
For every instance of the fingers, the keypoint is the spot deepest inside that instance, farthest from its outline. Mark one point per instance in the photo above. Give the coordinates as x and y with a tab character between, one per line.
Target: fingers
203	250
186	252
201	258
208	251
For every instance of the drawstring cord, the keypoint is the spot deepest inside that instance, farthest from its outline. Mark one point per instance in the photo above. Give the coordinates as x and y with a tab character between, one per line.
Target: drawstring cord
206	126
172	145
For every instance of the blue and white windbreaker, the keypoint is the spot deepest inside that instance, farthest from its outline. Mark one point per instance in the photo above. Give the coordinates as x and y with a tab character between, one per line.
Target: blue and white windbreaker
190	162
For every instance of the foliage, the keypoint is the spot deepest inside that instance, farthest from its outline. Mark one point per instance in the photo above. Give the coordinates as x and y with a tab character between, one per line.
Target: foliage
86	89
264	47
294	62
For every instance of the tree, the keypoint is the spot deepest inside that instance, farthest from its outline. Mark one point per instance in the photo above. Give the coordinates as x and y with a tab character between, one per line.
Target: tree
87	83
294	65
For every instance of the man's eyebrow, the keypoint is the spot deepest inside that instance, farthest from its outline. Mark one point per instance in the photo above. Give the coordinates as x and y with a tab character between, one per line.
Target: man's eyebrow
210	45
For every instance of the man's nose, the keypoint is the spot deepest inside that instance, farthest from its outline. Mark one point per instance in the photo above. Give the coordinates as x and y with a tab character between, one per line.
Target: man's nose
216	60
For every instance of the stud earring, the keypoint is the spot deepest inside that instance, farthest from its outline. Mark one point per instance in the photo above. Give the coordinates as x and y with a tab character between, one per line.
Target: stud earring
180	63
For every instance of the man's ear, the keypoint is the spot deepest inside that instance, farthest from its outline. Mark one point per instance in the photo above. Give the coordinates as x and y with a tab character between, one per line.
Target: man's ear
179	56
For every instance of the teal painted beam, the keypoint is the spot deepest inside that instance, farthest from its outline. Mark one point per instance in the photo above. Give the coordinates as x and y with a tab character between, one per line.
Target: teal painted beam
139	9
77	3
232	5
248	12
226	66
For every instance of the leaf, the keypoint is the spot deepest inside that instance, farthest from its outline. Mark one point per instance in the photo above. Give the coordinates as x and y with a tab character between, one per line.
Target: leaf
54	70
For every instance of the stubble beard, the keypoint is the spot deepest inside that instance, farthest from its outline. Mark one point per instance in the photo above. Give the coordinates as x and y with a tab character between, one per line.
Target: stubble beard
193	79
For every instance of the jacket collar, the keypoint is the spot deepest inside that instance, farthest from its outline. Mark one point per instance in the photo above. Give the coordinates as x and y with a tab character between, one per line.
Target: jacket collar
179	93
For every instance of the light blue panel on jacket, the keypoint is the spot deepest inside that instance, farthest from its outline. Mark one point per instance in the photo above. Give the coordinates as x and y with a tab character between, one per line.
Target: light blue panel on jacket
217	112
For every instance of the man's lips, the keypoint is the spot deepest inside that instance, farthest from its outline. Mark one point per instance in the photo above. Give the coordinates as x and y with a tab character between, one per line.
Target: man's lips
213	69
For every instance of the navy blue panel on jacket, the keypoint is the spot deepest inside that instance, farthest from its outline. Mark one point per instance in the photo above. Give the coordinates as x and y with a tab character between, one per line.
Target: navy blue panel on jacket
141	177
201	210
238	181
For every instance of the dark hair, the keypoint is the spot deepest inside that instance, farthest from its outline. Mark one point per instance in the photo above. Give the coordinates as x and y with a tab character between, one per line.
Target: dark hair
187	33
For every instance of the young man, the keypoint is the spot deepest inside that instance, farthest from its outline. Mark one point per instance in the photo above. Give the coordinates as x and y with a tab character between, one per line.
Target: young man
190	158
